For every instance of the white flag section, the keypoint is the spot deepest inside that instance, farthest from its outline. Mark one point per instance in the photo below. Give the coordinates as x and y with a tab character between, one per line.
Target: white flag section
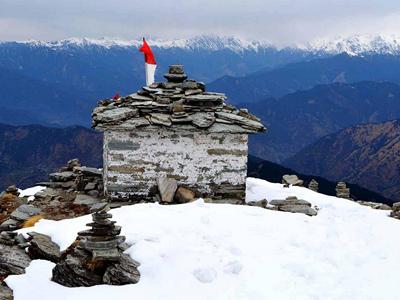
150	72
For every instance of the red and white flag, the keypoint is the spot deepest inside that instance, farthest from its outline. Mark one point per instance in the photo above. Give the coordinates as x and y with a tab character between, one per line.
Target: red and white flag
150	62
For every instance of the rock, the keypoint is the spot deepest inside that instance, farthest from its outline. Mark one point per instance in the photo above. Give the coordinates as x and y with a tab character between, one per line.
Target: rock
375	205
292	180
12	189
115	115
89	171
396	206
73	163
62	176
94	193
9	224
24	212
42	247
313	185
184	195
125	272
203	120
304	209
260	203
5	292
167	188
87	200
290	201
13	260
161	119
90	186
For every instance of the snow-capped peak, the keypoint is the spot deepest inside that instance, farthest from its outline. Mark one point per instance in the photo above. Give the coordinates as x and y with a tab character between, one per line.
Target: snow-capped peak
212	43
357	45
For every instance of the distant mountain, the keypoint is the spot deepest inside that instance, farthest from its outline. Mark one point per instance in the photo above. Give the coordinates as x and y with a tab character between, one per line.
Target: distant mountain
29	153
301	118
27	100
304	75
368	155
273	172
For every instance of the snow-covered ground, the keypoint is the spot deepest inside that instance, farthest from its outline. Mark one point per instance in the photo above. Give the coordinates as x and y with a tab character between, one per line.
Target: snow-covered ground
218	251
30	192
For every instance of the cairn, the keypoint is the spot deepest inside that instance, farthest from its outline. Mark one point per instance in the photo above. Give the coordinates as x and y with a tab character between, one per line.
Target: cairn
342	191
97	256
313	185
103	239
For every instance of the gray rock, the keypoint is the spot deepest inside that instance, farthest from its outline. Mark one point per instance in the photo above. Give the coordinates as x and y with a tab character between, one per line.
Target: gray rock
94	193
313	185
9	224
73	163
90	186
89	171
160	119
5	292
13	260
82	199
303	209
167	188
115	115
24	212
12	189
290	202
47	192
125	272
62	176
260	203
375	205
42	247
203	120
292	180
396	206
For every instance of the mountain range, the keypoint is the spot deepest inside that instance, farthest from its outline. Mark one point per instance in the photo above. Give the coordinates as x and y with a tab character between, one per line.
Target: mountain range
366	154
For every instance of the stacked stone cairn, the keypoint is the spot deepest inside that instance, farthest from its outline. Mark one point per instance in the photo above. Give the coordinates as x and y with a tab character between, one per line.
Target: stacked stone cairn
288	180
313	185
395	211
342	191
97	258
179	103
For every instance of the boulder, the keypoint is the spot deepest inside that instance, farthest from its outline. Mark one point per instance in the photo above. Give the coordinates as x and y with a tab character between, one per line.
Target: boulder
24	212
125	272
167	188
184	195
260	203
42	247
13	260
290	201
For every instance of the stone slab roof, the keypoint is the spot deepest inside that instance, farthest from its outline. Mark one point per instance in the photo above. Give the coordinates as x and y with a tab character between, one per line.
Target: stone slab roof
178	104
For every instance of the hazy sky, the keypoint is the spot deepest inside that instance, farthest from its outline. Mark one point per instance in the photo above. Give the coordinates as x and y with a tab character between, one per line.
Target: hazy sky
281	22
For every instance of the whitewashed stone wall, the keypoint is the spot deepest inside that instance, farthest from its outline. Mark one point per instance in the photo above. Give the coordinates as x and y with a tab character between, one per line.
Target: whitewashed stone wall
210	163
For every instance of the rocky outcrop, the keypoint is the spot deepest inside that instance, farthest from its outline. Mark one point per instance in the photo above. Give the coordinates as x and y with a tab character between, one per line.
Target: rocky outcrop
97	257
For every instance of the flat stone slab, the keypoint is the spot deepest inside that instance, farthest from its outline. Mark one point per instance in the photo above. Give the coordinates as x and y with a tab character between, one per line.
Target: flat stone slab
82	199
24	212
290	202
167	188
303	209
62	176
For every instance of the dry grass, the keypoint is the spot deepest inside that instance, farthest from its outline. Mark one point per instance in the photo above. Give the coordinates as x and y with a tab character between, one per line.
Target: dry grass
32	221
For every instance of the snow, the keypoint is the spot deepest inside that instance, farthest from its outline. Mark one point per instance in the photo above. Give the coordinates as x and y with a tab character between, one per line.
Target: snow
30	192
220	251
352	45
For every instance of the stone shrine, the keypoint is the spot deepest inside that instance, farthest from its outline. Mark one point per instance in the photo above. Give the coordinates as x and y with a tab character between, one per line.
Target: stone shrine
174	129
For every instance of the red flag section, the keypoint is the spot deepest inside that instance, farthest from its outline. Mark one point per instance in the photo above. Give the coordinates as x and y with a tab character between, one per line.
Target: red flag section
148	54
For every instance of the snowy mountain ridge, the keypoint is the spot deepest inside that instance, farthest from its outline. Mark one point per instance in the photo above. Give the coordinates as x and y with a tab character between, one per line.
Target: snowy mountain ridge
353	45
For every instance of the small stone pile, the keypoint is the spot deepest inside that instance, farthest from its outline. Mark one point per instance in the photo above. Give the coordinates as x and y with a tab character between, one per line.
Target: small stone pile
395	210
313	185
342	191
288	180
293	205
176	104
74	177
97	258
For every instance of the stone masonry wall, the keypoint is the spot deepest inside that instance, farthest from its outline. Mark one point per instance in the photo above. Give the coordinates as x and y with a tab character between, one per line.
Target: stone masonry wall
213	164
